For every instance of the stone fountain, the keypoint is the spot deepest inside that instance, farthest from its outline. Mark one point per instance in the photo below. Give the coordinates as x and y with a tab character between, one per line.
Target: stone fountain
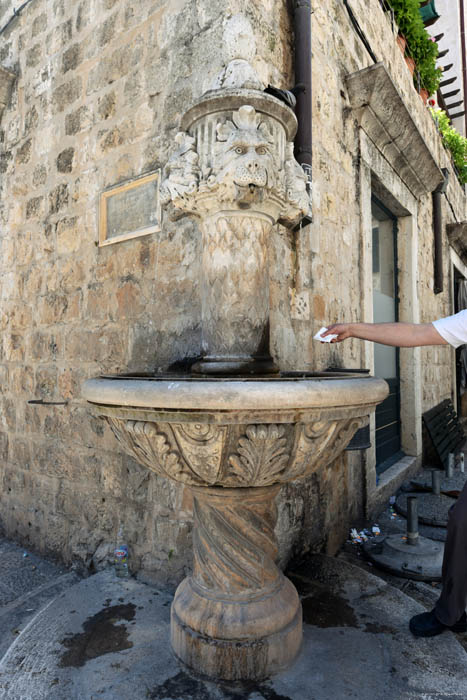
235	429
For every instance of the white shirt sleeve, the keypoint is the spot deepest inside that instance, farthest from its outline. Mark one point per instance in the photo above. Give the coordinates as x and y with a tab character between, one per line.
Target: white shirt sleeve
453	328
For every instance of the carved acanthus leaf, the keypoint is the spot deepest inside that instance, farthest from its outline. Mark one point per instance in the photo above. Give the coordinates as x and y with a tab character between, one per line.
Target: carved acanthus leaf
150	447
261	457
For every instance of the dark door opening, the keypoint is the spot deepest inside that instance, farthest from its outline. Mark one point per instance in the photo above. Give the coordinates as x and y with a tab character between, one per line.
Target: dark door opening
460	303
385	310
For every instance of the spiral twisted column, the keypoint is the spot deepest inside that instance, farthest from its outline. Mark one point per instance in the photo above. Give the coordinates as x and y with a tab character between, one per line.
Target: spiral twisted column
237	616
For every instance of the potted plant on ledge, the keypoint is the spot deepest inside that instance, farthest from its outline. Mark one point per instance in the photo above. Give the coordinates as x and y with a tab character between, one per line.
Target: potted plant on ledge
422	49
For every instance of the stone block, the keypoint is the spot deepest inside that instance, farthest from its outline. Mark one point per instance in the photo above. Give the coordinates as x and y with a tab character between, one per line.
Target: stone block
113	138
83	16
8	414
118	64
129	301
3	447
99	303
67	93
39	24
46	382
44	345
19	454
39	175
5	158
13	347
58	198
22	381
23	153
71	58
65	160
35	207
79	120
106	31
107	105
34	56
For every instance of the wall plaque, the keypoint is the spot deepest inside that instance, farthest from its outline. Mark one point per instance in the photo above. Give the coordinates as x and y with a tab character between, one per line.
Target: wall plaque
130	210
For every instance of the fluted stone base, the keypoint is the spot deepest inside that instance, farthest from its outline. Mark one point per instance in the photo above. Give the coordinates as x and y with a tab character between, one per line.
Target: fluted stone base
269	633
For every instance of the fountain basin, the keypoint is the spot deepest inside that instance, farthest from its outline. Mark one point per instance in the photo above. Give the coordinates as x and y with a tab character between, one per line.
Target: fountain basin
233	442
319	391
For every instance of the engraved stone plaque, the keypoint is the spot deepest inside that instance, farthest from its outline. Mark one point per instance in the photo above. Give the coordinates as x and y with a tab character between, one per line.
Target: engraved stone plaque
130	210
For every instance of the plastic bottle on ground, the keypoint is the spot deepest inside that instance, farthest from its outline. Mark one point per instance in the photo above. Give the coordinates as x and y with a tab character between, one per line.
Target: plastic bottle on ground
121	557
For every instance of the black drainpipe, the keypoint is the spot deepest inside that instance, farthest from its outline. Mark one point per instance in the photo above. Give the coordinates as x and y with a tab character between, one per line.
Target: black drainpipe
464	61
303	139
438	232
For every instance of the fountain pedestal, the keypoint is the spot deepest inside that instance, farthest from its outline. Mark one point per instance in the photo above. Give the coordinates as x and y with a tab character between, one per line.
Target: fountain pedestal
237	616
233	443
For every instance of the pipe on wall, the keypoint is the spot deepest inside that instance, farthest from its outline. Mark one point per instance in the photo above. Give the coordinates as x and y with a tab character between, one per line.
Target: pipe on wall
303	110
438	233
438	242
464	59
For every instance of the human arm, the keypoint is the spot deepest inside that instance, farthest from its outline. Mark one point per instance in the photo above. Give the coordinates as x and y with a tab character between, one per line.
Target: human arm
408	335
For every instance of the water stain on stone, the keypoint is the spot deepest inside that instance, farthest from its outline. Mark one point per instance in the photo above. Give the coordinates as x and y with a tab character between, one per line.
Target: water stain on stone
324	609
101	636
192	688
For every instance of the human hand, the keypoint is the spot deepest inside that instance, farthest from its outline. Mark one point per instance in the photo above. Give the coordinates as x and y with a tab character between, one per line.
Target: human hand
340	330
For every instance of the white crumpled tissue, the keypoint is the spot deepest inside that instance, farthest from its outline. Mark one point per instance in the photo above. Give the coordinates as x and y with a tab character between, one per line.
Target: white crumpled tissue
327	339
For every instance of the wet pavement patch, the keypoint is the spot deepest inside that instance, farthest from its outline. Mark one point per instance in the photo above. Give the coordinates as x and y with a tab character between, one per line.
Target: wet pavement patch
376	628
189	687
101	636
324	609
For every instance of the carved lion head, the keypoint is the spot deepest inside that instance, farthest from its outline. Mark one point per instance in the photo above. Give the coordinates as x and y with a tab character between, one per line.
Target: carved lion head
245	151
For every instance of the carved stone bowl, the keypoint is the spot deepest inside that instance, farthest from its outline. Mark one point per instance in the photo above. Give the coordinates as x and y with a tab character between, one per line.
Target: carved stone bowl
233	442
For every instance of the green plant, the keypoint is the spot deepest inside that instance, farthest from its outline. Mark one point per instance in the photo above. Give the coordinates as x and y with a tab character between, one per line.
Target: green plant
454	142
422	47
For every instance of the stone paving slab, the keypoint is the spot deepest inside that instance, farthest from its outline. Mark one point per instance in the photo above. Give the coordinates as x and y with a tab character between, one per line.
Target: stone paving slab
109	638
27	582
21	570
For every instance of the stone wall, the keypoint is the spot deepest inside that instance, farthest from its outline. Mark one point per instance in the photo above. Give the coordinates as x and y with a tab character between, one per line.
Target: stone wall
101	88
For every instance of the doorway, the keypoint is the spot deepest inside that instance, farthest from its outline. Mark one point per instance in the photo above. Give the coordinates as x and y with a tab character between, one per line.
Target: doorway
385	310
460	303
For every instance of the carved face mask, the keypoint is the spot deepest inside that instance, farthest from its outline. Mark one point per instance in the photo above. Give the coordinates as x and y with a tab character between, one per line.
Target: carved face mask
245	150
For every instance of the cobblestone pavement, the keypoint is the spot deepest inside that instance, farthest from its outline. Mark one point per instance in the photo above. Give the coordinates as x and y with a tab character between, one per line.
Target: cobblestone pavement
27	582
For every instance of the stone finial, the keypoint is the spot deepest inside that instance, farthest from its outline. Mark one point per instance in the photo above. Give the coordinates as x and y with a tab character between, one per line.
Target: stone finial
239	39
239	49
7	78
